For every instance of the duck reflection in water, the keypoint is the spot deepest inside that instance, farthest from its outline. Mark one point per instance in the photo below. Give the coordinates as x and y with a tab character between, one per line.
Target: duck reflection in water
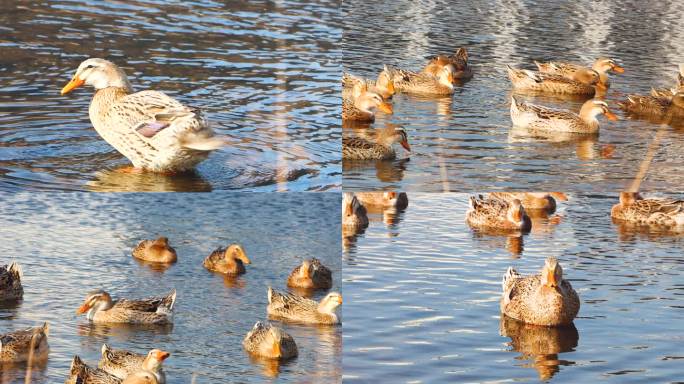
540	345
122	180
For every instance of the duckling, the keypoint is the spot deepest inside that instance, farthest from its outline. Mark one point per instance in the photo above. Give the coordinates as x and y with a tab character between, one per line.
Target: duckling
581	83
10	282
81	373
101	309
634	208
602	66
16	346
157	251
442	83
458	61
544	299
353	213
358	148
288	307
533	116
229	261
122	363
497	214
383	86
363	105
265	340
311	274
397	200
659	106
532	200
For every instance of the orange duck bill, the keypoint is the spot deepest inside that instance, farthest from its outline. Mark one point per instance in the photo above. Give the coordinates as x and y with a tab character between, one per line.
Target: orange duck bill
73	84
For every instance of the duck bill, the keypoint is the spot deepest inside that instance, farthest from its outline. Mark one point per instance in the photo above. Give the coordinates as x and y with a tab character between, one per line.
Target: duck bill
276	349
618	69
390	88
551	279
406	145
339	300
611	116
162	355
73	84
82	309
386	108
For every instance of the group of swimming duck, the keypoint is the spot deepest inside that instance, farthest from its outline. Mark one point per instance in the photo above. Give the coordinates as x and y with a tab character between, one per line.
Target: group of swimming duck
545	299
362	98
264	340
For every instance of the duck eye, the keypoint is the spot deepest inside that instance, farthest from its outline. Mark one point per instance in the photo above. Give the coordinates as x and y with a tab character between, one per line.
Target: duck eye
90	66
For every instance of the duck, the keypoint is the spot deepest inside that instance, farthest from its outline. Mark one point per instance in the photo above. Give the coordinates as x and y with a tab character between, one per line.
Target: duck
363	104
497	214
100	308
656	105
538	117
669	92
383	200
311	274
154	131
10	282
458	61
230	260
353	212
294	308
532	200
268	341
157	251
383	86
439	84
602	66
582	83
545	299
81	373
634	208
16	346
359	148
122	363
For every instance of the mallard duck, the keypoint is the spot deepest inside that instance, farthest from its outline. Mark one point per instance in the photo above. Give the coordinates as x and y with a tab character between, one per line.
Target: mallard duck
359	148
657	212
667	93
81	373
662	107
266	340
532	200
497	214
602	65
288	307
582	82
101	309
16	346
230	260
155	132
458	61
363	104
10	282
157	251
383	86
544	299
122	363
397	200
311	274
442	83
533	116
353	212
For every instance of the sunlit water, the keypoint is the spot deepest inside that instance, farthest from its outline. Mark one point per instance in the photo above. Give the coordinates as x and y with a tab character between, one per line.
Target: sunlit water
422	299
465	142
70	244
265	74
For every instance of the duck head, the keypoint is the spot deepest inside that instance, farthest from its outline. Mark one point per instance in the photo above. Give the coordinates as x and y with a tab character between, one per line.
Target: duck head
154	359
353	213
330	303
236	252
98	73
552	273
593	108
95	301
515	214
605	64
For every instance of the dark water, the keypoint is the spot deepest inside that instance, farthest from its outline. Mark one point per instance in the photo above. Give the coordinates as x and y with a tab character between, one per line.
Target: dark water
70	244
265	73
465	142
422	299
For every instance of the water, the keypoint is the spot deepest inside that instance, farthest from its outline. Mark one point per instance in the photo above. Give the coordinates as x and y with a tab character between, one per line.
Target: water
422	299
465	142
69	244
265	74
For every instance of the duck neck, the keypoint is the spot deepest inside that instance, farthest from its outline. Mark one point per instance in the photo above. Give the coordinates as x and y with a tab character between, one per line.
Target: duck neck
103	100
588	115
102	305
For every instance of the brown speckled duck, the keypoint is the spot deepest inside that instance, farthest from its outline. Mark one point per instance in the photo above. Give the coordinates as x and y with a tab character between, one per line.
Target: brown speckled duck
497	214
582	83
440	84
16	346
10	282
156	251
81	373
383	86
633	208
363	104
669	92
311	274
288	307
353	212
602	66
268	341
155	132
359	148
533	117
659	106
100	308
122	363
230	260
532	200
459	65
545	299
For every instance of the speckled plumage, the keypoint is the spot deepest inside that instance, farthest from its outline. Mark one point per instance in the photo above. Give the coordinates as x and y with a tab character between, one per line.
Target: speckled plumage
533	117
359	148
285	306
354	215
526	80
101	309
310	274
157	251
659	106
230	260
81	373
266	340
16	346
10	282
120	362
602	66
423	83
632	208
497	214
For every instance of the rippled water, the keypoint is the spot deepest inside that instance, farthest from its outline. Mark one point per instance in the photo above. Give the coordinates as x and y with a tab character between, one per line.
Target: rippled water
465	142
265	73
69	244
422	299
